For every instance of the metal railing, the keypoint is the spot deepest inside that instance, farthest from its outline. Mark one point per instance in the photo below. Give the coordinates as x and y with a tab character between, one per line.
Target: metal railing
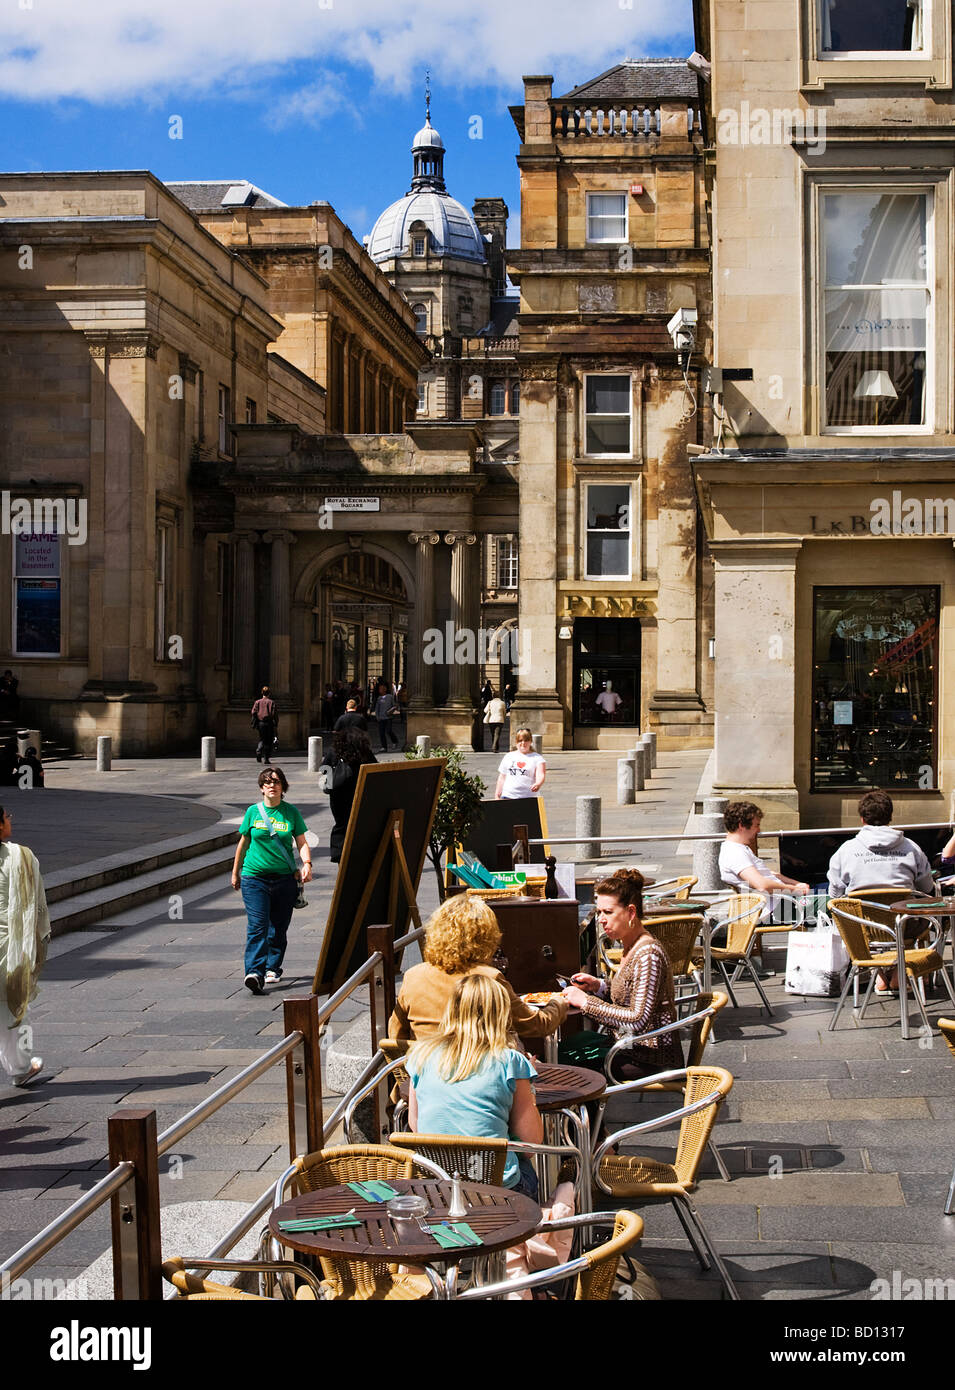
135	1147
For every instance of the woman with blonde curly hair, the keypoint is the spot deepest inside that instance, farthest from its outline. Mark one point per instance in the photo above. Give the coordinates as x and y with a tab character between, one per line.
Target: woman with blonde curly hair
461	938
467	1079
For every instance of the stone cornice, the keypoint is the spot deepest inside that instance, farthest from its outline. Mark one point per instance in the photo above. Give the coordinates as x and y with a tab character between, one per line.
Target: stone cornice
121	343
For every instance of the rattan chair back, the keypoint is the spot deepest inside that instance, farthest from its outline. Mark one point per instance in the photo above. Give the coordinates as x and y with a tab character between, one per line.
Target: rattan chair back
849	915
677	934
885	894
743	914
596	1283
700	1034
680	888
480	1160
695	1130
946	1026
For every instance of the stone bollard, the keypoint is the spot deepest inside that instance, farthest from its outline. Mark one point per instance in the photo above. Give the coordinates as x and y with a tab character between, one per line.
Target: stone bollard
644	742
641	763
314	752
208	762
626	769
104	753
706	853
423	744
588	823
651	735
29	738
538	740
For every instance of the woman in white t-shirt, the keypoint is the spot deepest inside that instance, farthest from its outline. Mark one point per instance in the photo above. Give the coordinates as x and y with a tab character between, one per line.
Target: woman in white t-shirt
522	772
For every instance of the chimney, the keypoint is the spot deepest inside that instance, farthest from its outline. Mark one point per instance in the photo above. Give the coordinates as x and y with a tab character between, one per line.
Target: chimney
491	214
537	120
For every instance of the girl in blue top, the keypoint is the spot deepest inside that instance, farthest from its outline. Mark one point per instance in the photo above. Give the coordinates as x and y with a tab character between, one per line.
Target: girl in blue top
468	1080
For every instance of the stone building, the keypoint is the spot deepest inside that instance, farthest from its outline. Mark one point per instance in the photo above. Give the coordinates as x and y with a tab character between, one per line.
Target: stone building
615	585
828	501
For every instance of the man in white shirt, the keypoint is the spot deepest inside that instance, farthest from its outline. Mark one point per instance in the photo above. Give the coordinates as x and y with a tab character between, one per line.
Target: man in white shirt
740	866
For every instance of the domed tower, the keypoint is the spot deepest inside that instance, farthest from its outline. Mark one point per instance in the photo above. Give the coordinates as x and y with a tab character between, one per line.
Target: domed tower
431	249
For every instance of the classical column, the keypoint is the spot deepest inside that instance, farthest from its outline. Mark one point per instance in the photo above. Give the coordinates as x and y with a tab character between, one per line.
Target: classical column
421	675
243	614
462	686
279	615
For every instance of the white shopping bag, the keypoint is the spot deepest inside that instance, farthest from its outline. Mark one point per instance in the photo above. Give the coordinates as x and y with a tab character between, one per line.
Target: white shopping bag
816	961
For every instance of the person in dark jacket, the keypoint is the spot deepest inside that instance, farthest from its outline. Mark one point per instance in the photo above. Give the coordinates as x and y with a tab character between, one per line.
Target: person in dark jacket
385	710
350	746
351	719
265	719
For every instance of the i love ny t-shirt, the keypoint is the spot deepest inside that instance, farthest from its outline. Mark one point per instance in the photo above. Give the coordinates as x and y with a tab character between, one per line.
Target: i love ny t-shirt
520	771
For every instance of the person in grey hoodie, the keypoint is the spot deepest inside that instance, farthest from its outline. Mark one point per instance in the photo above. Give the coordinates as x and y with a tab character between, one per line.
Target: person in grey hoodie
879	856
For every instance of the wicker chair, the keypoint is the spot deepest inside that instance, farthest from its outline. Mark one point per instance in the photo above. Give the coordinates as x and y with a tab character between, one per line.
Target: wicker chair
741	926
879	900
946	1026
679	888
648	1179
860	933
596	1269
480	1160
707	1005
196	1289
678	934
355	1280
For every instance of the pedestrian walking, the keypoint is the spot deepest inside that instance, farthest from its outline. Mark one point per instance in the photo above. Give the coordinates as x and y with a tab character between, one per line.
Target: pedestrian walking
350	748
264	870
351	719
265	718
522	772
487	693
31	762
385	710
509	693
24	937
494	717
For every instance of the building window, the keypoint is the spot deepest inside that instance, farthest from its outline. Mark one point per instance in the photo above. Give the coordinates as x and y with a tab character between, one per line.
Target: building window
422	396
165	560
465	310
420	312
875	665
507	564
200	406
497	399
225	415
38	595
516	398
607	217
223	604
607	544
417	246
607	405
855	27
251	411
877	308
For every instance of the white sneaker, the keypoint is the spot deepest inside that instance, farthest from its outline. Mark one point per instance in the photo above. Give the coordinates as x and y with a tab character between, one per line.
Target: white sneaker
272	977
36	1066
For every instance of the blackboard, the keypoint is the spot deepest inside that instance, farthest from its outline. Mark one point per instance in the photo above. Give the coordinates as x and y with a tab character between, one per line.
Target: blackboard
806	857
410	788
496	827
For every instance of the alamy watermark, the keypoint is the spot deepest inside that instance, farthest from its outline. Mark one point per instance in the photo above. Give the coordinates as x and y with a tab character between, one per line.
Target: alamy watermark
463	646
912	516
41	1290
755	125
44	516
899	1289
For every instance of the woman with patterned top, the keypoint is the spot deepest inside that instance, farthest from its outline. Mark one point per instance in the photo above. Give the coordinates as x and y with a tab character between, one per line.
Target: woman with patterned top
640	996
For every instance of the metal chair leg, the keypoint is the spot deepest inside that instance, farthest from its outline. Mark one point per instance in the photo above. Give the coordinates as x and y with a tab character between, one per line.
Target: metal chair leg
696	1246
755	979
867	999
852	975
724	1273
950	1203
920	1005
726	981
718	1159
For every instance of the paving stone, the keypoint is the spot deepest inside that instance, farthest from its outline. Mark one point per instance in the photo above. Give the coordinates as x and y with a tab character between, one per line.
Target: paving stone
912	1260
806	1111
914	1085
829	1046
925	1189
823	1188
760	1093
893	1134
904	1225
921	1158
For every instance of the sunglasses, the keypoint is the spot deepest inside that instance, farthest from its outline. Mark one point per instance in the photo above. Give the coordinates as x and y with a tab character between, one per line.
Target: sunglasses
267	780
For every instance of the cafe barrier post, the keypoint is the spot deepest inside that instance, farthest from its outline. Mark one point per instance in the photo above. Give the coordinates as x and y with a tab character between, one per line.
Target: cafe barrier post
104	753
314	752
303	1069
423	744
538	741
381	1000
137	1241
706	853
626	773
651	738
588	823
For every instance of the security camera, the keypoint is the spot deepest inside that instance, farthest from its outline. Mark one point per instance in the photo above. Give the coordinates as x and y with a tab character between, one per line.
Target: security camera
682	330
700	65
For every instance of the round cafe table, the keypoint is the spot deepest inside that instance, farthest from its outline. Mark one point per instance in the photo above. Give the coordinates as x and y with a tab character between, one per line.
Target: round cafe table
566	1090
499	1215
916	907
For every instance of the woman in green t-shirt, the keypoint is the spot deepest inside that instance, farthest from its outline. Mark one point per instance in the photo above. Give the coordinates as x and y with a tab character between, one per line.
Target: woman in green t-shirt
264	869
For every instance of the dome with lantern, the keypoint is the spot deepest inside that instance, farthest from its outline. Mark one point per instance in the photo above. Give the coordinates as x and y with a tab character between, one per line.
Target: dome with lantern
450	228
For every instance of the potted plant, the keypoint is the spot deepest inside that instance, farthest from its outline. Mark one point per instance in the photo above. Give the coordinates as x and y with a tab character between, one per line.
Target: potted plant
458	810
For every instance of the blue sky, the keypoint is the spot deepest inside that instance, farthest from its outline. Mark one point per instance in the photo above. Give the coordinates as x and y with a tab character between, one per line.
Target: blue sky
307	98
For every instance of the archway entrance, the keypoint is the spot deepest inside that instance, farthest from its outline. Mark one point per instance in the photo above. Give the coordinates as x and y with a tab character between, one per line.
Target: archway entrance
362	611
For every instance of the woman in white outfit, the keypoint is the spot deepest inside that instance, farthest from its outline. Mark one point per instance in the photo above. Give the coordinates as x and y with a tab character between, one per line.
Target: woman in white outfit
24	936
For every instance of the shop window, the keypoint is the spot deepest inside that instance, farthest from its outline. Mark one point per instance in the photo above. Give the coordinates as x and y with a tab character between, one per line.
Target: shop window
607	217
38	594
607	544
871	26
607	671
607	409
875	684
878	345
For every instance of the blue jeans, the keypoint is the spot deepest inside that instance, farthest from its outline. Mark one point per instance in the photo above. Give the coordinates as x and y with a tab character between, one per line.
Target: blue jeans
527	1182
268	905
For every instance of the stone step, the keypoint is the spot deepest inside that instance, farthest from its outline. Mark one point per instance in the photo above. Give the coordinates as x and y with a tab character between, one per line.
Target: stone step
119	868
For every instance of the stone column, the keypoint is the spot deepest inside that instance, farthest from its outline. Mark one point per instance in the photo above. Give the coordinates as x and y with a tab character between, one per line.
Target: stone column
420	678
279	614
243	615
755	675
463	676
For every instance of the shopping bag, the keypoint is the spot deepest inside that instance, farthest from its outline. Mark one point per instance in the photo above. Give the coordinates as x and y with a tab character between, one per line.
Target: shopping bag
816	962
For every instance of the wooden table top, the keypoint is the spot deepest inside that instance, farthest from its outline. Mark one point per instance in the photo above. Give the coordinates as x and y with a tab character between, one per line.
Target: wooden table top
558	1086
499	1215
931	907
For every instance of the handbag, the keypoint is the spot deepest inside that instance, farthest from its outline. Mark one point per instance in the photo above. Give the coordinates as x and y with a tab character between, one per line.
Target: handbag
333	776
301	900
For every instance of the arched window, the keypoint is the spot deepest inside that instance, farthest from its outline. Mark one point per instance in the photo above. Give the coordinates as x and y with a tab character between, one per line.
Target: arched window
420	312
516	398
498	401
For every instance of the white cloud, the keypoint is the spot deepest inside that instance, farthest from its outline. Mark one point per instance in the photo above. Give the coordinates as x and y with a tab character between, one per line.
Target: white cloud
117	50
